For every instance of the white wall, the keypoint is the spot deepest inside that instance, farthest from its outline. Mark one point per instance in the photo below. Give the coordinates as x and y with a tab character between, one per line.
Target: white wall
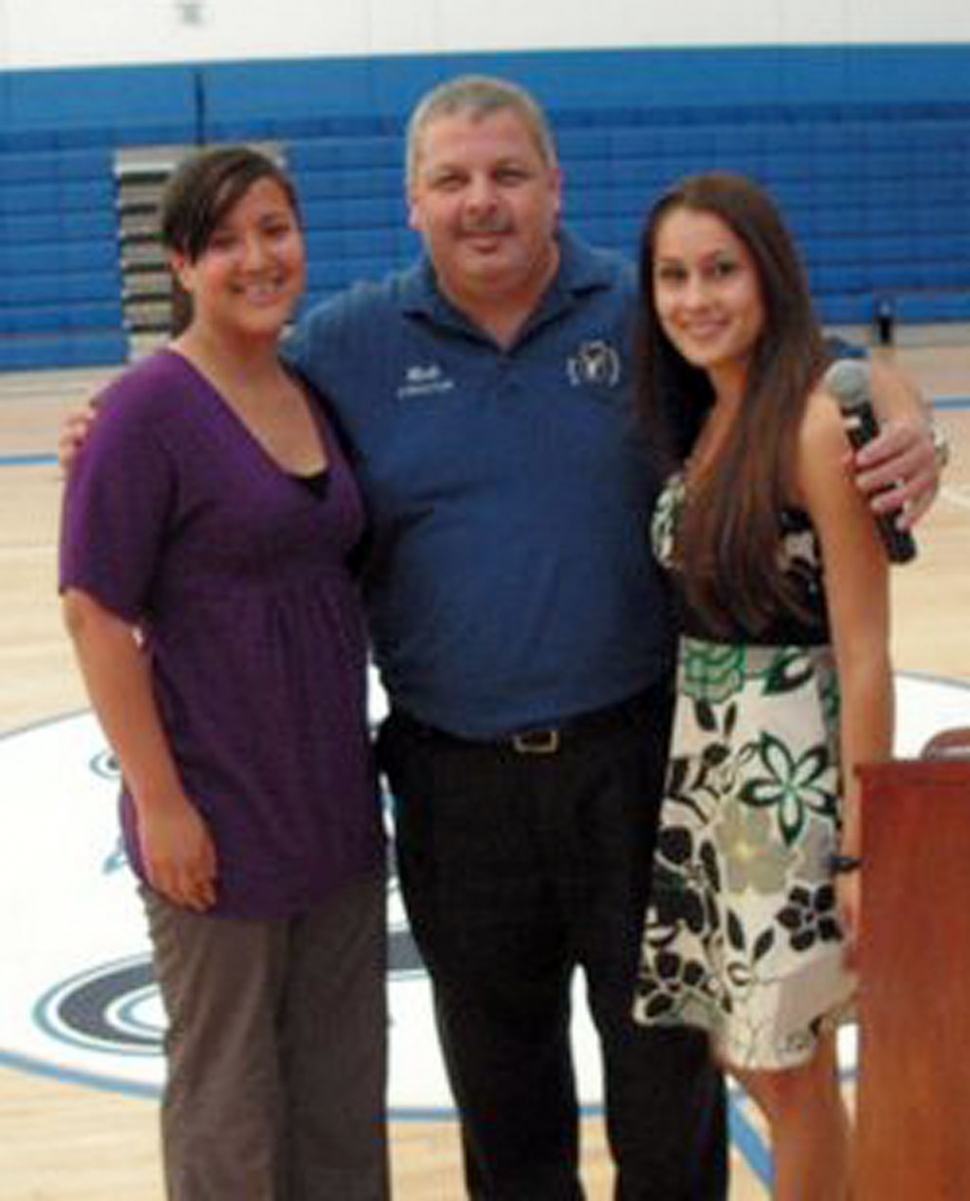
50	33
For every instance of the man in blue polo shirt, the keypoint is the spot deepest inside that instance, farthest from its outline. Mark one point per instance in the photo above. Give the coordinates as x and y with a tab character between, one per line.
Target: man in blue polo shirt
522	634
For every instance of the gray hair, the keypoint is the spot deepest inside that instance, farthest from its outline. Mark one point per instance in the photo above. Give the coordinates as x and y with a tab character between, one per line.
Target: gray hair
478	96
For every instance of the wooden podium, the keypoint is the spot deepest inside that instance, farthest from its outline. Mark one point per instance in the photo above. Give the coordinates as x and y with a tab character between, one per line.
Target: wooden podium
913	1141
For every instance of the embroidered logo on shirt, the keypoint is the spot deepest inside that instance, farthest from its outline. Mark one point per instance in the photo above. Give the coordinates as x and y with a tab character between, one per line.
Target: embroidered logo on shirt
594	363
424	381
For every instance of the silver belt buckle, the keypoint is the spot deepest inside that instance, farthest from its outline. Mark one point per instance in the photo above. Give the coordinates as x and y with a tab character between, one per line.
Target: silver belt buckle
536	742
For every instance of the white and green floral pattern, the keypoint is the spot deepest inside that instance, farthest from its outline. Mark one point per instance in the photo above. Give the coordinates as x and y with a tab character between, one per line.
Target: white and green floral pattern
742	937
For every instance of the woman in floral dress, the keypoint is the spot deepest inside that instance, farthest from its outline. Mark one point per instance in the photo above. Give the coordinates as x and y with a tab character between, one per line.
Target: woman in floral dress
784	679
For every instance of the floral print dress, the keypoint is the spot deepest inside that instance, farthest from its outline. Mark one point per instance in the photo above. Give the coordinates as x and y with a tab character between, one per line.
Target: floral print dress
741	935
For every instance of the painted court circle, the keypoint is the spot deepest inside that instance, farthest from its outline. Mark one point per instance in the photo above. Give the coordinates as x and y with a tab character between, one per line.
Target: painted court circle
78	1000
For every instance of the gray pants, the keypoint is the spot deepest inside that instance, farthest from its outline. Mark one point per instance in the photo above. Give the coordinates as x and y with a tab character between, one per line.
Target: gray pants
276	1051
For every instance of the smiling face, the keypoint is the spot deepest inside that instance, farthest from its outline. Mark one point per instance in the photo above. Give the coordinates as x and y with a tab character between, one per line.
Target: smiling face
707	294
250	273
487	204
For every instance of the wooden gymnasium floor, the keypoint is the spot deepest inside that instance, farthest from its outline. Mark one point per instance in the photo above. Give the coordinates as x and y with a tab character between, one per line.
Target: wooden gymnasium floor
64	1141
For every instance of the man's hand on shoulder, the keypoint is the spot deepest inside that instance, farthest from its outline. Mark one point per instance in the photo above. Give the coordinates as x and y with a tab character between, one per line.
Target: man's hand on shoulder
74	431
899	470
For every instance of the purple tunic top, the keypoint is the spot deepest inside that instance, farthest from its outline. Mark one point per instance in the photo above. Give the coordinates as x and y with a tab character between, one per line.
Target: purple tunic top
236	575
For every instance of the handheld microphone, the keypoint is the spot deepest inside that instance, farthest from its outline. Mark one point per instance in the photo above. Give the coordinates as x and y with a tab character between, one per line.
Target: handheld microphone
848	381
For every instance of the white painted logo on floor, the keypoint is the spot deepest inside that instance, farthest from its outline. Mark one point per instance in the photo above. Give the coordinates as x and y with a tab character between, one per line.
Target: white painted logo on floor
78	999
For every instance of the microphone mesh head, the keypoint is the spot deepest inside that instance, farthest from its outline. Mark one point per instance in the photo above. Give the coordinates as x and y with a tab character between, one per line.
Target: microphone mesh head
848	381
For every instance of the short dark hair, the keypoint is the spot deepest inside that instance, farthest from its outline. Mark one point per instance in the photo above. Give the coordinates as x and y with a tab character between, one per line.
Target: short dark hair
205	186
477	97
199	194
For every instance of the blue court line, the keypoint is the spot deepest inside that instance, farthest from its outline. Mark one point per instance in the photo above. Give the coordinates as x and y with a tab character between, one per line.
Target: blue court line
951	404
748	1141
753	1148
65	1075
26	460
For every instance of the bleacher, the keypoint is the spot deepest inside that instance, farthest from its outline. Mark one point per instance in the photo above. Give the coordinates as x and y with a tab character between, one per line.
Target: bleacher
58	259
62	295
867	152
879	204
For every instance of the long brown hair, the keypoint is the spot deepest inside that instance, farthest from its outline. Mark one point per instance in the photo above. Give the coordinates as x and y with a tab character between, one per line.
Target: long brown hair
728	538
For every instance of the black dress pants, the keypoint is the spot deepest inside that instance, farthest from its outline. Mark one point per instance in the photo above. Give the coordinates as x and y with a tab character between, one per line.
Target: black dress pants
517	869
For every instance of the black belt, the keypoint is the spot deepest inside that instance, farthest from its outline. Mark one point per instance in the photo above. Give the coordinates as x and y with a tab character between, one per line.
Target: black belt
542	740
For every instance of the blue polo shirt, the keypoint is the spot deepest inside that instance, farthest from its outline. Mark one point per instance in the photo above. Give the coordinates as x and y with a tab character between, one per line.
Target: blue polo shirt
509	582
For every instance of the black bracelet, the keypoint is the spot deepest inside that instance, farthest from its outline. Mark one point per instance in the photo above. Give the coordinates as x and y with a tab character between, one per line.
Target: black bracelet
842	865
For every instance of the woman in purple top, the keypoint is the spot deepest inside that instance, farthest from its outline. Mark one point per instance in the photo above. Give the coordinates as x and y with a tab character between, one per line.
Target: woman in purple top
206	533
